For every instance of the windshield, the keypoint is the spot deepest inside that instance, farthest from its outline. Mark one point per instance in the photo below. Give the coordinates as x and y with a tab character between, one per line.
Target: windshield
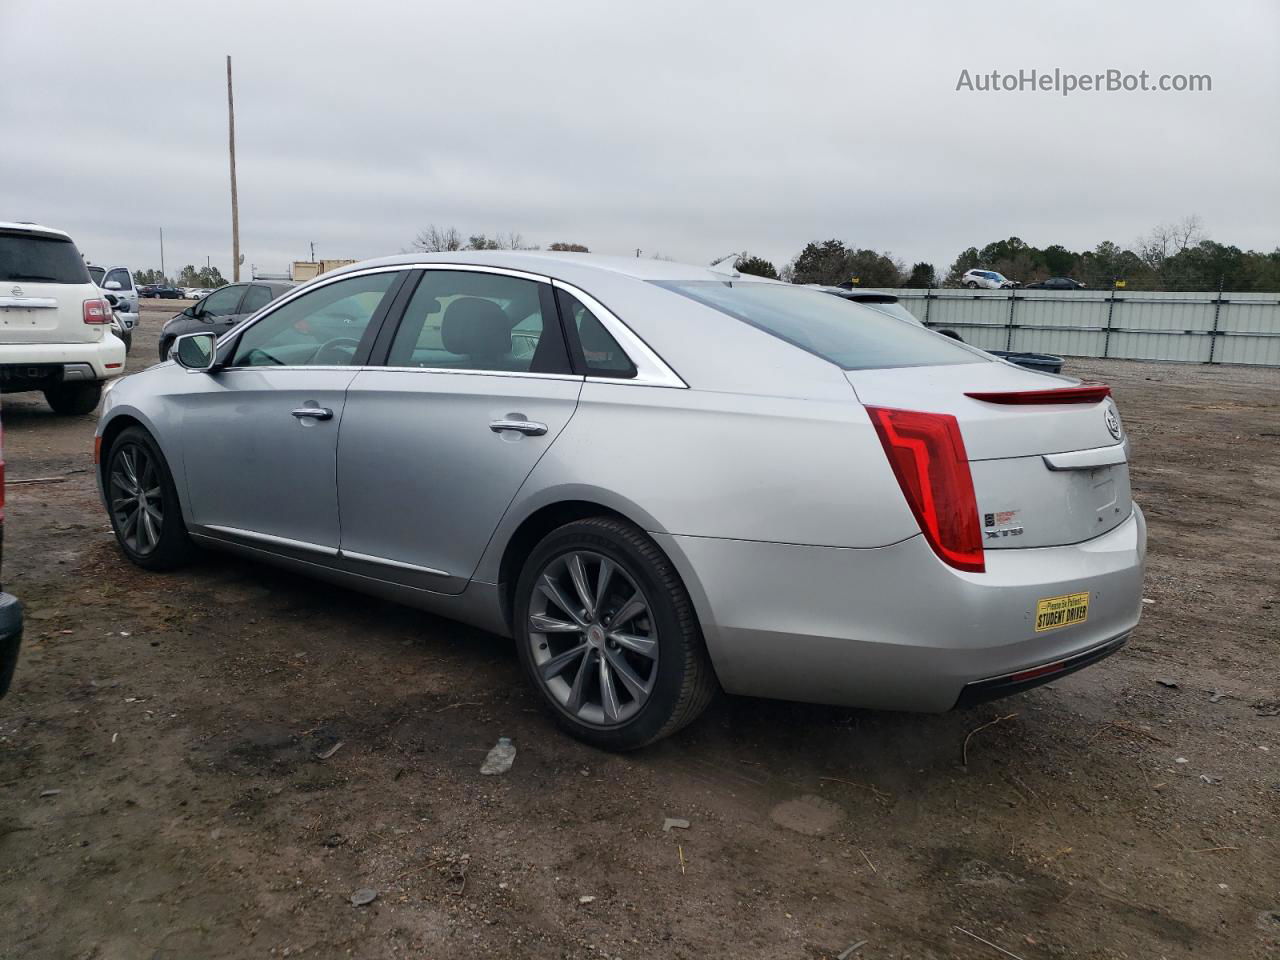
849	335
40	259
97	273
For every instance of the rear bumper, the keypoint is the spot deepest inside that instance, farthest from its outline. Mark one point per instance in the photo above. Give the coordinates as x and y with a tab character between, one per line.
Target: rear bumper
10	638
103	358
895	628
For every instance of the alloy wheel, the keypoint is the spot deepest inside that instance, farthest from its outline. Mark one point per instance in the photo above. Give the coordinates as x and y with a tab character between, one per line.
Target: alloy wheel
136	502
593	638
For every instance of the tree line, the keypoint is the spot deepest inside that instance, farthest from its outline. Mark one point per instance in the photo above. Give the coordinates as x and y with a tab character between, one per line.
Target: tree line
1175	256
208	278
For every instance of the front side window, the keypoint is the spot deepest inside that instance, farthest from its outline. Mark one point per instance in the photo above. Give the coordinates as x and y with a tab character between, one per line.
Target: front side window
257	298
38	258
121	277
221	303
324	327
469	320
601	355
847	334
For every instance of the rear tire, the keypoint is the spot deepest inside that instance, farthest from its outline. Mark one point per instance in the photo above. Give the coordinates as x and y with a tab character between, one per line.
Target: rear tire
152	534
972	285
74	399
659	677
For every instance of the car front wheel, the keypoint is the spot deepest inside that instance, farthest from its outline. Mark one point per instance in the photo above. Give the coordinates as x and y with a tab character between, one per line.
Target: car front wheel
608	635
143	503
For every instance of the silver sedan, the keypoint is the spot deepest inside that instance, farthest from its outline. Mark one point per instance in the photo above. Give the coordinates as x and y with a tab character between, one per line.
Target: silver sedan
660	480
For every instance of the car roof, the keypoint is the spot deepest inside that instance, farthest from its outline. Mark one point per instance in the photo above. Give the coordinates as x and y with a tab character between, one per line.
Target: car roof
33	228
561	265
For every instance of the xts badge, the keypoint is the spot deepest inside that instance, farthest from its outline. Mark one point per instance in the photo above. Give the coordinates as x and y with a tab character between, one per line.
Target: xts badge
997	526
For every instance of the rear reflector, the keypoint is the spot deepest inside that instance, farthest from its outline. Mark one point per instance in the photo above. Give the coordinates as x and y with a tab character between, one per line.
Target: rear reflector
1034	672
1095	394
928	457
97	311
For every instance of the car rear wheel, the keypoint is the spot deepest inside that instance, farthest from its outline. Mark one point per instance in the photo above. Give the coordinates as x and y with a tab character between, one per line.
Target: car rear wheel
606	631
972	285
74	399
143	503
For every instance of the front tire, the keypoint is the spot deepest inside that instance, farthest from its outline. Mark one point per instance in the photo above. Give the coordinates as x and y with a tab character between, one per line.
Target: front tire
607	633
142	502
74	399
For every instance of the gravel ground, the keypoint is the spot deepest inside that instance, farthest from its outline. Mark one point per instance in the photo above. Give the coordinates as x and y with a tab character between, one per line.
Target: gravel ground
210	763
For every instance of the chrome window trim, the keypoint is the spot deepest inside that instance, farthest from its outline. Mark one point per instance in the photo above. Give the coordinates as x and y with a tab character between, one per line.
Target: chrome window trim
651	369
397	564
480	373
274	541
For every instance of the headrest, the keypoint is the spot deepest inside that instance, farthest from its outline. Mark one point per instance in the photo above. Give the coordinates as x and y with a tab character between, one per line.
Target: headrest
475	327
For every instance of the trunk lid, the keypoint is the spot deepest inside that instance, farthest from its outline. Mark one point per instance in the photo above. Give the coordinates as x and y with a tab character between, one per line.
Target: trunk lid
1044	474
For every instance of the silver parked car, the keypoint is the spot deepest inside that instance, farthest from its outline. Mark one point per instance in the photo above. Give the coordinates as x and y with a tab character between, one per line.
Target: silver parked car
659	479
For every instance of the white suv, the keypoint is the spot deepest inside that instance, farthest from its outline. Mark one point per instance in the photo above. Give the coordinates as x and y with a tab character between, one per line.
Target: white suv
55	324
973	279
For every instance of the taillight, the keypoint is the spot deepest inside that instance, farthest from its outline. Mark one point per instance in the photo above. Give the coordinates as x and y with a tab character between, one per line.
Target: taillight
928	457
97	311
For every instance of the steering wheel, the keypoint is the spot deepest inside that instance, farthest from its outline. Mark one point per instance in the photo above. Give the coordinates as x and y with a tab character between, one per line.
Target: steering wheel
317	358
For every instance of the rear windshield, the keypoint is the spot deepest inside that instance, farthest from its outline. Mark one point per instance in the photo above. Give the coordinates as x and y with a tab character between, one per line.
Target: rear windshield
850	335
40	259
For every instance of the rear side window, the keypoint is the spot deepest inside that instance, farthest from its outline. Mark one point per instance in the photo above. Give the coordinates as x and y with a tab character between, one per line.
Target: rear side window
848	334
40	259
471	320
601	355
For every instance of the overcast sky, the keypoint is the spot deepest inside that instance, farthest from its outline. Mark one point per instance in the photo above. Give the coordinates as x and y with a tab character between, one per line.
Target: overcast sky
686	129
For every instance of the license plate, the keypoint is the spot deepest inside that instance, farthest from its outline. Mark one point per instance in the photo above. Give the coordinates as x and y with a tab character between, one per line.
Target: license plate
1054	612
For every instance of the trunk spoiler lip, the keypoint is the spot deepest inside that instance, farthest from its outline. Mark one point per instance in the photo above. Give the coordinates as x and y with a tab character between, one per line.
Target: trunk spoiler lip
1095	393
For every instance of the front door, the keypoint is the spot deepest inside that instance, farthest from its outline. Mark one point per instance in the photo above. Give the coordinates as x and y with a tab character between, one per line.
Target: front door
260	436
436	444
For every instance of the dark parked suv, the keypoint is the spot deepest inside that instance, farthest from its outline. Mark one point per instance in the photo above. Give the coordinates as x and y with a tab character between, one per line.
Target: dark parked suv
221	310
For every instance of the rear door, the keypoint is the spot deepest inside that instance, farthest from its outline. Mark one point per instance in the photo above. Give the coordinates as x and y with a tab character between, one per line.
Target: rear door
435	444
43	286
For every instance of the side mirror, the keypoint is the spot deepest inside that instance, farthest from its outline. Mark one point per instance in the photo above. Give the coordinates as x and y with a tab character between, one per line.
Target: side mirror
189	312
112	285
196	351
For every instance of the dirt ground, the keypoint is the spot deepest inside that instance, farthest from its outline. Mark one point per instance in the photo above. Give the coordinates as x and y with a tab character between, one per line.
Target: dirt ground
162	792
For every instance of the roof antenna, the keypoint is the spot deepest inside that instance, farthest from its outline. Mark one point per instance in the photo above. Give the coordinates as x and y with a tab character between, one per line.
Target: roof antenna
731	269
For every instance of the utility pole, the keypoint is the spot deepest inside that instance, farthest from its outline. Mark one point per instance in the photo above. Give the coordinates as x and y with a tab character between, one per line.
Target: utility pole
313	251
163	275
235	205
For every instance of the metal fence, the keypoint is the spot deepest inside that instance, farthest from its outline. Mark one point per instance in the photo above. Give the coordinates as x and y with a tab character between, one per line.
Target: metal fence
1213	327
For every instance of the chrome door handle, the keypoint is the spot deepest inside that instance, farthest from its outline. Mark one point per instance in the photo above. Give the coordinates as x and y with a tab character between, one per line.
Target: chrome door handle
529	428
315	413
